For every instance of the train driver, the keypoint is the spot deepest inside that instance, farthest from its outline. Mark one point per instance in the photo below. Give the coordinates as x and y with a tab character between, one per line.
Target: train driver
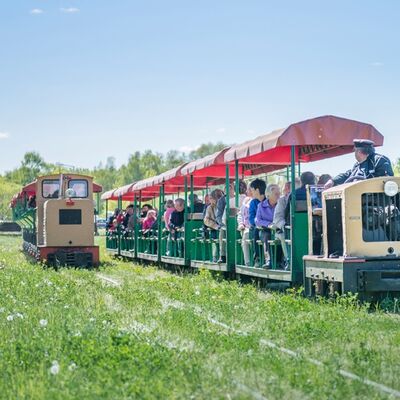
369	165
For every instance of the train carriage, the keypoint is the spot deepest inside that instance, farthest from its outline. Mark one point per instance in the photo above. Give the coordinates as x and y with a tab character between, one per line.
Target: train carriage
56	213
282	150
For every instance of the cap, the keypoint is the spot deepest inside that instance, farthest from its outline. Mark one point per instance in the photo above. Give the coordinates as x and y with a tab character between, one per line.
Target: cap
363	143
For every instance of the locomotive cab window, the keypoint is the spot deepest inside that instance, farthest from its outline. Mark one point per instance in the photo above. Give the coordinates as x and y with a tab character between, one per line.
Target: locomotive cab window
80	187
380	217
50	188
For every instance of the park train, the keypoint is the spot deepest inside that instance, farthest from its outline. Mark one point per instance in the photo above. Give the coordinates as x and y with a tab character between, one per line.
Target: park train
360	220
56	214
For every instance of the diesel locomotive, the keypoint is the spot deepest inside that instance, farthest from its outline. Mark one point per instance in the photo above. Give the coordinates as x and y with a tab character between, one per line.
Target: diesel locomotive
56	214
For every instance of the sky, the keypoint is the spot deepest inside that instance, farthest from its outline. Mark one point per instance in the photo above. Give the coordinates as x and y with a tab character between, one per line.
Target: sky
82	80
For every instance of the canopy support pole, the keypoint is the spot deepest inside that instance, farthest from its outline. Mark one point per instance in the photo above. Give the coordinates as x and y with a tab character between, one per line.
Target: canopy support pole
159	222
191	195
292	203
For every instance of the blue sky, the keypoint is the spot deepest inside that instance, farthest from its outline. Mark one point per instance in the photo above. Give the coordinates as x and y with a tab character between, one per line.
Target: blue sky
86	79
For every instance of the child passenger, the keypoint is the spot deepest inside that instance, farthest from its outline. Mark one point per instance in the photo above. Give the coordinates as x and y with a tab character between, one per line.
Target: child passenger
149	220
169	209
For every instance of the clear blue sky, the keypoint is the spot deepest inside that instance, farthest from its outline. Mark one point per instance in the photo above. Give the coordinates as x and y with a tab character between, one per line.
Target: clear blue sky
86	79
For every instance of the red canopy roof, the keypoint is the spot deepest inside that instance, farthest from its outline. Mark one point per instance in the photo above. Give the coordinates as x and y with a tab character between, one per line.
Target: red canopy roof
315	139
109	195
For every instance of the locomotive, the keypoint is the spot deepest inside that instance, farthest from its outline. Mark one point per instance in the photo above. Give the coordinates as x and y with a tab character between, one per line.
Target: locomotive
56	214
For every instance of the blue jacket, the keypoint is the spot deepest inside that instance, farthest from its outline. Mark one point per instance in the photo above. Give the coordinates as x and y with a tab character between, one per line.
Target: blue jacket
253	211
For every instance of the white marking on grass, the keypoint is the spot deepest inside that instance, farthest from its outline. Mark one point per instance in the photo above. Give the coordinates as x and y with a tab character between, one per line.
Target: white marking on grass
107	279
251	392
346	374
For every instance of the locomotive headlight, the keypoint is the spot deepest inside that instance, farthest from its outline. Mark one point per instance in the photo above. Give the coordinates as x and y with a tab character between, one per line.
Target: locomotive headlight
391	188
70	193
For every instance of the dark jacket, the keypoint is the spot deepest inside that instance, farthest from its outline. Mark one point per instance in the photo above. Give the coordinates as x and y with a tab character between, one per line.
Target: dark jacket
177	219
375	165
221	204
253	211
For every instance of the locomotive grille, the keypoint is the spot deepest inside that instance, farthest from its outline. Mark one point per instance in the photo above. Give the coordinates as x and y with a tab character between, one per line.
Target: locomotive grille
380	217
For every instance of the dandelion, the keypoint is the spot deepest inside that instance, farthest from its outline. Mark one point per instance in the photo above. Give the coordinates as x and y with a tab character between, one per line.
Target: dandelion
72	367
43	322
19	315
55	368
10	317
2	309
197	292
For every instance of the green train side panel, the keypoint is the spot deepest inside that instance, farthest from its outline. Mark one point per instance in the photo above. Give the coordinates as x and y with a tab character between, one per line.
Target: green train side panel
189	244
299	245
230	243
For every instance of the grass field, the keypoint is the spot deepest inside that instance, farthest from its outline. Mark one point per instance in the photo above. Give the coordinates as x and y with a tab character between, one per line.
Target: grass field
132	332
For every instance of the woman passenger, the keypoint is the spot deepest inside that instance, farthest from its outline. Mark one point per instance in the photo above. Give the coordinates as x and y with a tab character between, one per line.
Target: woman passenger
265	217
210	221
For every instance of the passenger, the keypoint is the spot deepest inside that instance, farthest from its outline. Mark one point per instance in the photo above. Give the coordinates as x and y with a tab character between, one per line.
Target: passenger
323	179
128	221
369	165
244	226
206	200
280	220
112	217
169	208
176	222
145	208
114	227
210	221
257	189
32	201
265	217
149	221
198	205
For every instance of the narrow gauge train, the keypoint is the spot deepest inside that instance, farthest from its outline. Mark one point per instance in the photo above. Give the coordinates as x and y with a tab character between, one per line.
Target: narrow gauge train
56	213
359	220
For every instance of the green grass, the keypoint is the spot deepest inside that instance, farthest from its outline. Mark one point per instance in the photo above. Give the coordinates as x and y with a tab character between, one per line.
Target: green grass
127	332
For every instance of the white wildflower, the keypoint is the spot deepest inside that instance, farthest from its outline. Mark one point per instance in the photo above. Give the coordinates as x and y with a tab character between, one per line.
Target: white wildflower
43	322
92	319
19	315
2	309
55	368
10	317
66	306
197	292
72	367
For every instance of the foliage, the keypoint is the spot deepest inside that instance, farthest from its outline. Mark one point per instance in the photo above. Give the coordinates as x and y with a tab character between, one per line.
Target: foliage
7	190
145	333
139	166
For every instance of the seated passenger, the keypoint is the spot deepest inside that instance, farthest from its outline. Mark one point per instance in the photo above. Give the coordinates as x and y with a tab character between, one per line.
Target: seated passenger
198	205
177	216
210	221
265	217
257	190
32	201
150	221
280	220
114	227
145	208
128	221
244	226
176	223
169	209
112	217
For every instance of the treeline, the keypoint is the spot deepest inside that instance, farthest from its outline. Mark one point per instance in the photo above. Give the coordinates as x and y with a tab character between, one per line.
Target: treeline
140	165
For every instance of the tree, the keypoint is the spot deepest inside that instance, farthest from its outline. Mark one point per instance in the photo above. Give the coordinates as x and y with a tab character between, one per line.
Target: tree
205	149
